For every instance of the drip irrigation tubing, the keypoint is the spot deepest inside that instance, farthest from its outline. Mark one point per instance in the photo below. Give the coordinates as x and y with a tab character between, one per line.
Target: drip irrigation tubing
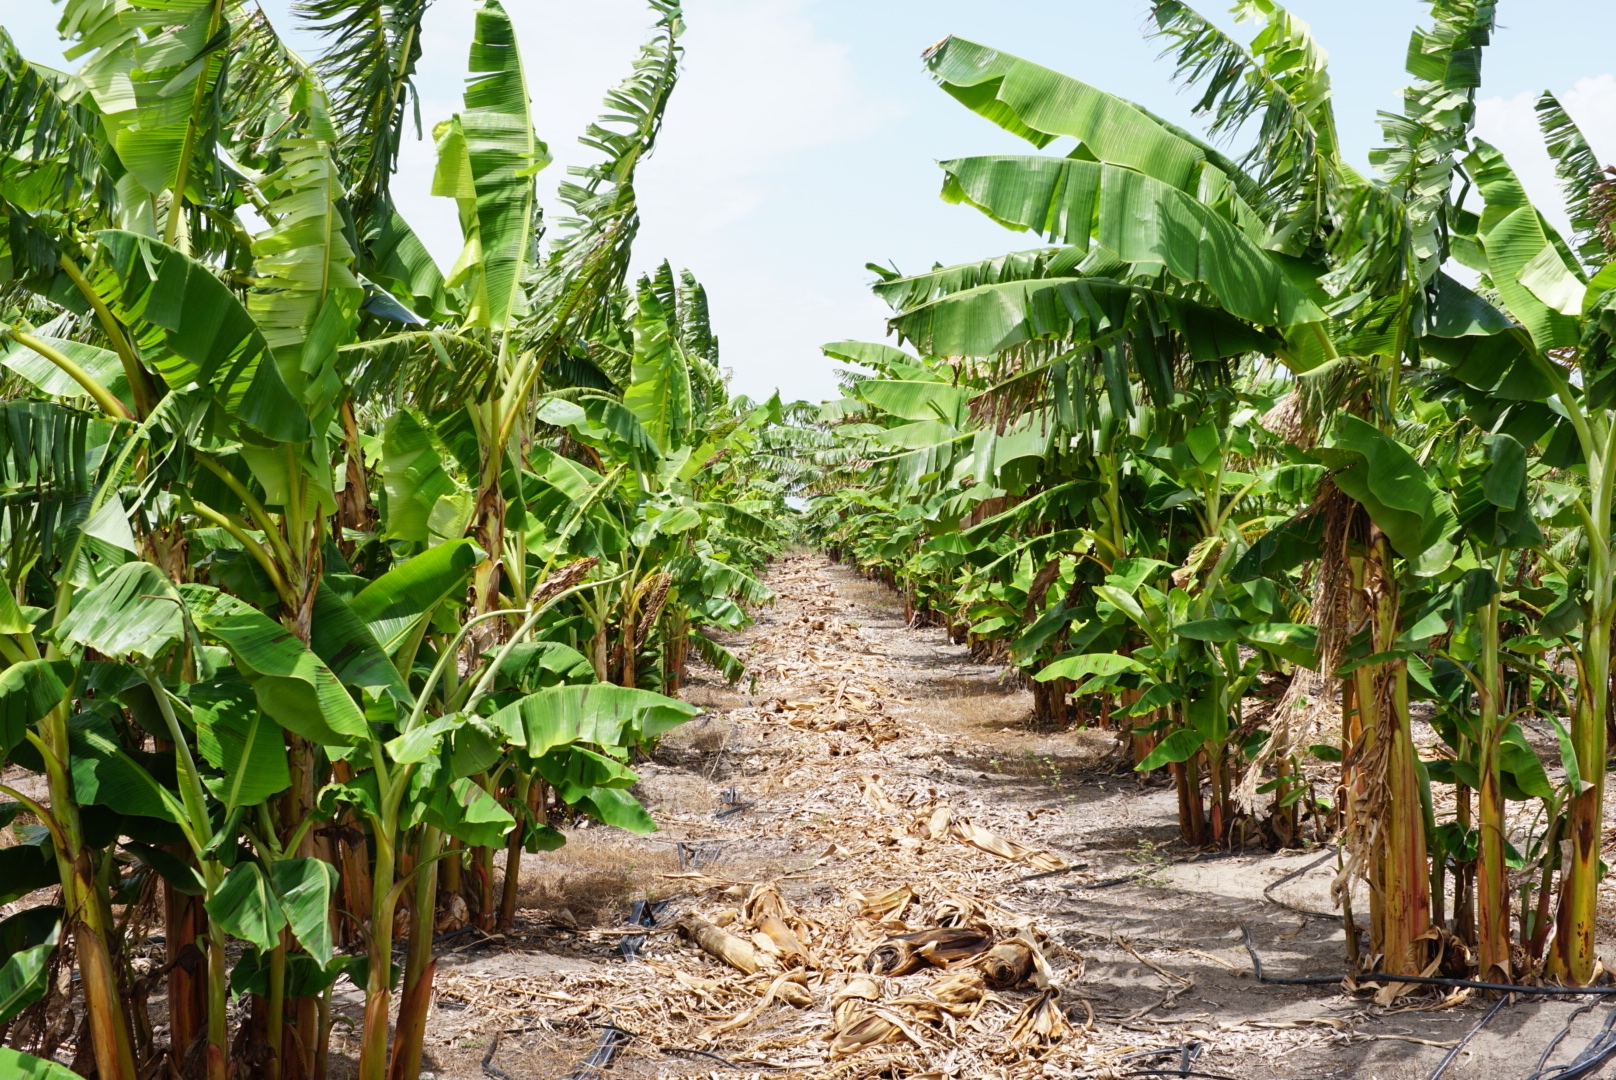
1419	980
1593	1057
1201	1075
644	913
1137	875
1543	1058
685	1051
1268	892
488	1061
1452	1055
595	1064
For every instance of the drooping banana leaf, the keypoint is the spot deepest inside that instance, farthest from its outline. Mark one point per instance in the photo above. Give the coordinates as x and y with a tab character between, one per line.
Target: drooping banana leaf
601	715
293	685
1138	218
991	319
1400	496
393	606
203	335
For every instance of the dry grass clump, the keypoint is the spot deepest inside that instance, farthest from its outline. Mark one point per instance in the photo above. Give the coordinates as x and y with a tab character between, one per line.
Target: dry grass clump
594	879
705	734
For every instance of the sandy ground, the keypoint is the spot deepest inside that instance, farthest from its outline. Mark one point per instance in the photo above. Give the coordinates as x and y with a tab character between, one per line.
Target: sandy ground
770	785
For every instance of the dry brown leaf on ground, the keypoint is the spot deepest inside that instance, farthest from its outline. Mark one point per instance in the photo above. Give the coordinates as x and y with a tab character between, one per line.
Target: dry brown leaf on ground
799	997
877	796
1040	859
938	948
864	1030
1008	964
1040	1024
697	882
958	909
887	905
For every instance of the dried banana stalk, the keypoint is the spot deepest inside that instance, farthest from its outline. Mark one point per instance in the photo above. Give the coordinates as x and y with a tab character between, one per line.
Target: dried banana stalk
736	952
957	909
940	947
858	988
1007	964
781	941
871	1027
865	1031
773	917
764	900
960	988
877	796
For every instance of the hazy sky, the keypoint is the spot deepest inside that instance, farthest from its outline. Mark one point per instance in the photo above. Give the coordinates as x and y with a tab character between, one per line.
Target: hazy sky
801	142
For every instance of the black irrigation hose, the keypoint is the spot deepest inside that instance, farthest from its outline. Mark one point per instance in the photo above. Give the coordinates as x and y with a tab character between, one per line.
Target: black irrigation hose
1052	873
1593	1057
1187	1052
685	1051
644	913
1543	1058
1200	1075
1421	980
1138	875
488	1061
1268	893
1453	1054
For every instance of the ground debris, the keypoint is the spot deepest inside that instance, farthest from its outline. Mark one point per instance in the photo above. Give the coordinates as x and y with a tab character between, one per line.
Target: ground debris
873	912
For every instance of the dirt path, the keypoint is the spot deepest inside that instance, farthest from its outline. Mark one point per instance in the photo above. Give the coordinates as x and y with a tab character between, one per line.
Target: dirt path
851	773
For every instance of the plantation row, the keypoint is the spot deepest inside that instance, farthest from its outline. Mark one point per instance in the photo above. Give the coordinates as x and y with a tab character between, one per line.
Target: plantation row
1272	463
327	574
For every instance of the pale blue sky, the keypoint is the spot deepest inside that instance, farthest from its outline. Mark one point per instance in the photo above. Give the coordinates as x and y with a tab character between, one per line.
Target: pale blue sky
802	141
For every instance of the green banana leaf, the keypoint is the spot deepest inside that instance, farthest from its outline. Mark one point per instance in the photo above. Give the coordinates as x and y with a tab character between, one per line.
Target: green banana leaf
246	907
136	612
1139	219
1077	667
659	393
211	341
102	365
104	774
293	685
25	976
1400	496
601	715
395	605
990	319
493	161
1178	746
613	806
347	645
28	692
424	502
304	889
467	812
22	1066
1041	105
235	737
